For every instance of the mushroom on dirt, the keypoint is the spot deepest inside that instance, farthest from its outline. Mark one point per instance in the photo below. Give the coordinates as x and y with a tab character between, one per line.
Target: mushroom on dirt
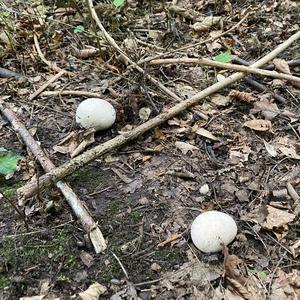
212	229
95	113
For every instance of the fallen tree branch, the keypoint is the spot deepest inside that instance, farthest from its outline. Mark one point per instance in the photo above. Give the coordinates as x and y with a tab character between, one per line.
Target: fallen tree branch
112	42
89	225
60	172
228	66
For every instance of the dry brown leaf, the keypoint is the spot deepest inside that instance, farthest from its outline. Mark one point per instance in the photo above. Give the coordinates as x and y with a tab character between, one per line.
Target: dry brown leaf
277	218
246	287
242	96
93	292
268	109
281	65
220	100
259	124
185	147
287	147
87	258
270	149
75	142
282	286
289	152
86	53
207	134
295	249
214	45
206	23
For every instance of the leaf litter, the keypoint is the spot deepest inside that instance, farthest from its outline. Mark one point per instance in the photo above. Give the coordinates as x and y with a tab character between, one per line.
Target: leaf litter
234	152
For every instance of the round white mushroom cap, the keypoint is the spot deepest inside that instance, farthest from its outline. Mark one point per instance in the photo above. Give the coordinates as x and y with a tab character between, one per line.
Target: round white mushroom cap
95	113
212	228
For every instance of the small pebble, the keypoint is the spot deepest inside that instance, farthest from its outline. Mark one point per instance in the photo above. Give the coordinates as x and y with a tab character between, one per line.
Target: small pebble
204	189
155	267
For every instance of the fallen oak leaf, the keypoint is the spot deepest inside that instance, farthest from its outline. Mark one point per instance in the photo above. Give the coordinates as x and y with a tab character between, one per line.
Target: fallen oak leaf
185	147
281	65
93	292
205	133
277	218
258	125
206	23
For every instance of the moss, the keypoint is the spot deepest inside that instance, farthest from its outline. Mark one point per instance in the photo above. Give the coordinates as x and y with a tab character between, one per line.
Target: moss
90	178
136	215
9	188
22	252
110	272
114	206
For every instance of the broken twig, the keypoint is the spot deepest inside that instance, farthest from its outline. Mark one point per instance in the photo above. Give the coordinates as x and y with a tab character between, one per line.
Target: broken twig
60	172
46	84
79	209
228	66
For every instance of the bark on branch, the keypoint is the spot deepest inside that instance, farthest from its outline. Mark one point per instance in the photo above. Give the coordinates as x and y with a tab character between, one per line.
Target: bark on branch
89	225
60	172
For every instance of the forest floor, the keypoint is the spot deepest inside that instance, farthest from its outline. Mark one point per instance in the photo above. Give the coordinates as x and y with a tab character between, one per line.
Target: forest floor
145	194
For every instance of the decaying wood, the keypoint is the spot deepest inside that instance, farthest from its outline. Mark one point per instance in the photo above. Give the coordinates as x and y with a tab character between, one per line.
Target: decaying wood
89	225
60	172
228	66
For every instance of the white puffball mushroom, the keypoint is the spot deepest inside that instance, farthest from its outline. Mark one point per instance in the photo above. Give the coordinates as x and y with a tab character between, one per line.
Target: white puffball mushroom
212	228
95	113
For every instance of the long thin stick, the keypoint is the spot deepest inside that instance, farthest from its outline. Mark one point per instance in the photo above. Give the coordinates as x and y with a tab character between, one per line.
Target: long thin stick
46	84
228	66
112	42
79	209
30	189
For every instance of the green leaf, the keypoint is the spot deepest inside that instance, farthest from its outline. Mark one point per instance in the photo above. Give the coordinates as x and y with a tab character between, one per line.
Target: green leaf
224	57
8	161
118	3
79	29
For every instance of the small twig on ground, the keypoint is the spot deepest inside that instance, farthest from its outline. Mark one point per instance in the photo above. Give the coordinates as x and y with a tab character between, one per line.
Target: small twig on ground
173	238
228	66
240	61
13	236
273	274
29	189
72	93
89	225
112	42
121	265
52	66
21	214
46	84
